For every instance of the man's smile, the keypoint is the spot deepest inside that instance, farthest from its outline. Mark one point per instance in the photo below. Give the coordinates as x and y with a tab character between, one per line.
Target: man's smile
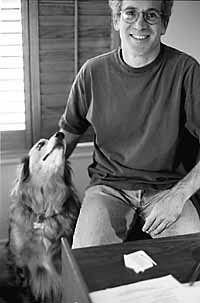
140	37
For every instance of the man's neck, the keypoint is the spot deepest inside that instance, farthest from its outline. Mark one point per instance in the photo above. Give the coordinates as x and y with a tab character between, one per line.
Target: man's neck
139	60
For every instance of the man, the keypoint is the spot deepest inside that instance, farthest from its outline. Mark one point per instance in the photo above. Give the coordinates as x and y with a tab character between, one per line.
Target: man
139	99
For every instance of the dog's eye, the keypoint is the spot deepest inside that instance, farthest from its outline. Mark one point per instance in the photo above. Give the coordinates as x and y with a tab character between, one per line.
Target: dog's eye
40	145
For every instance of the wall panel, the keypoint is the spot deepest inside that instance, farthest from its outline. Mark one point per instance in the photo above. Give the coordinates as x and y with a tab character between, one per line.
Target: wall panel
58	57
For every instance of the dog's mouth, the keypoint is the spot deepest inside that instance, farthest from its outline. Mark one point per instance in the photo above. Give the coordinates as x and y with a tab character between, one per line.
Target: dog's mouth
46	156
58	145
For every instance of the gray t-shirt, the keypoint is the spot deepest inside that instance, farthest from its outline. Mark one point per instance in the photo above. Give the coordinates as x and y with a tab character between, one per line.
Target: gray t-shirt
138	116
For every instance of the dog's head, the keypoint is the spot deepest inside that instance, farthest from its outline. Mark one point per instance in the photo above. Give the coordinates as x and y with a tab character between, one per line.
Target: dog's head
44	171
46	158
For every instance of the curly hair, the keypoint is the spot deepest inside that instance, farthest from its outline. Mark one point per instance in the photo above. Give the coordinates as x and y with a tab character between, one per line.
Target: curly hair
166	8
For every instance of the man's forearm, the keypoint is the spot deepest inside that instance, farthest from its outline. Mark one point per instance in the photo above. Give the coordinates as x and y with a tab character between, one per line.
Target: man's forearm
190	184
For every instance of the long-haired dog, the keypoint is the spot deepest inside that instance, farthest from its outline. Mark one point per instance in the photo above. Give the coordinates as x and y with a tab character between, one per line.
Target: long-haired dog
45	208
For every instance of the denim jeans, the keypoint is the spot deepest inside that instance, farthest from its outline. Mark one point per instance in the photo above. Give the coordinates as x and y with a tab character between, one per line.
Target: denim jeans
107	214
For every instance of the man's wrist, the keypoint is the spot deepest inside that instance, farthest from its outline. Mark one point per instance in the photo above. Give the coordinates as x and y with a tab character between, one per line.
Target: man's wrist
182	190
189	185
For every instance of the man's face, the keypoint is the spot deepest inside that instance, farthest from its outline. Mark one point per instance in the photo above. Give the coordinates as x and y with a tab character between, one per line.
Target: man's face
140	37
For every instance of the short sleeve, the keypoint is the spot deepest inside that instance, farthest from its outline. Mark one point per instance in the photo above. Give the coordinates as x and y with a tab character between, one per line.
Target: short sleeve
192	98
74	117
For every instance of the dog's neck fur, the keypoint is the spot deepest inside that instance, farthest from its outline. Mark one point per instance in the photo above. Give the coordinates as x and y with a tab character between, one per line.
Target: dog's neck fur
46	199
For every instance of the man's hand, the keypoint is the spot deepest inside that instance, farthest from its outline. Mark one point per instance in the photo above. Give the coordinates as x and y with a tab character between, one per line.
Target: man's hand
165	212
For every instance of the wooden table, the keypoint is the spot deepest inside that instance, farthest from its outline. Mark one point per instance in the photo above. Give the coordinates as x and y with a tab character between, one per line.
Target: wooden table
95	268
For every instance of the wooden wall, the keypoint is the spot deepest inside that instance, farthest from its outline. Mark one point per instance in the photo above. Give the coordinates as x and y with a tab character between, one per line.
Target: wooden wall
65	43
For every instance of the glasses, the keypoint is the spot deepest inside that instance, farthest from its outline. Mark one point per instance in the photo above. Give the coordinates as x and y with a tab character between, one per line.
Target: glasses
151	16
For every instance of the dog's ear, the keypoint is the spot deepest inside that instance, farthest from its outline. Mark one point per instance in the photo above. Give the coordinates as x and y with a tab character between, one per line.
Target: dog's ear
25	169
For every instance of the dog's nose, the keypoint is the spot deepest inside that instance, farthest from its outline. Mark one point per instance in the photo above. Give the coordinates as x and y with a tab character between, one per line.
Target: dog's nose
60	135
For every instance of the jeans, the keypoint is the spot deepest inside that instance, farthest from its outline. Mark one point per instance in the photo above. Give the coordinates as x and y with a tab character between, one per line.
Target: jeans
107	214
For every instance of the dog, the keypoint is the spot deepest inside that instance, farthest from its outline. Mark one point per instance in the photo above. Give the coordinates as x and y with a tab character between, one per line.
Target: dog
44	208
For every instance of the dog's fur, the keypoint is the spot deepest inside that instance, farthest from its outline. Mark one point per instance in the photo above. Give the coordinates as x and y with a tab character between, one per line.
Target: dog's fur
45	208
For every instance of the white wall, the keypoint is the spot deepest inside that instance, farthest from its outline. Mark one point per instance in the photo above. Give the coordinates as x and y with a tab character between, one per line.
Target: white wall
183	30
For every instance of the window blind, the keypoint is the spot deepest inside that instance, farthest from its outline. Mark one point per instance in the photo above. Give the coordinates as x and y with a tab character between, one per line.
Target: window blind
12	104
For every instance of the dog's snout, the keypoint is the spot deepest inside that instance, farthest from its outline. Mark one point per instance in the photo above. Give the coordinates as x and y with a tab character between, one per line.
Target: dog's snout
60	135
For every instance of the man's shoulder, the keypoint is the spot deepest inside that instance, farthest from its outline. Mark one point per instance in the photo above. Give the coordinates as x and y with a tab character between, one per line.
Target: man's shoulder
97	64
101	59
178	55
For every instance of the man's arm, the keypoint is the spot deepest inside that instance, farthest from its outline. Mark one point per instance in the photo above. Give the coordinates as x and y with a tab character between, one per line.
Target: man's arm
190	184
170	205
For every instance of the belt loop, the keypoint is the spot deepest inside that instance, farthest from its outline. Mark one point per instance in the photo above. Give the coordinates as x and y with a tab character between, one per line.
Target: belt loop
140	194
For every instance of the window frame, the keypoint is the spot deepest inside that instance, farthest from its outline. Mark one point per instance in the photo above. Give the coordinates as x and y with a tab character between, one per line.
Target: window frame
19	140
